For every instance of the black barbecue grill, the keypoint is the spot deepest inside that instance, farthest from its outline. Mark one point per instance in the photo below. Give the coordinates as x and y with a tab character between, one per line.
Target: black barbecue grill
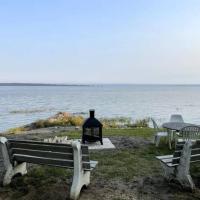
92	129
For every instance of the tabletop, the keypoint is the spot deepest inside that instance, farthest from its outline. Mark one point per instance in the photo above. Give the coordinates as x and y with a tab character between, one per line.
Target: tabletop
177	126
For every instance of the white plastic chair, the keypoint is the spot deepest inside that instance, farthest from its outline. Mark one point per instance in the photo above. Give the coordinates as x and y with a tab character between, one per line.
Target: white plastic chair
175	118
189	133
158	134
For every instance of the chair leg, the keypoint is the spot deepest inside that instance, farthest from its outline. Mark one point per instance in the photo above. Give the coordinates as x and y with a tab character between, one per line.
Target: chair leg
170	139
155	137
157	141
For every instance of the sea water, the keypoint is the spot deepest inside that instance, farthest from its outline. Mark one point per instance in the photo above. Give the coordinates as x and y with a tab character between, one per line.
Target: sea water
20	105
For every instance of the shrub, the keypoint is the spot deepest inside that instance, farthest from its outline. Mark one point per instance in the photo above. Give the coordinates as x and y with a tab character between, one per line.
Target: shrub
116	122
58	120
144	123
16	130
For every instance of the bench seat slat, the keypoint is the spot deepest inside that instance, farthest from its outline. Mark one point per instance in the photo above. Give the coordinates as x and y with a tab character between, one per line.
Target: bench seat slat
168	160
164	157
43	160
93	164
171	164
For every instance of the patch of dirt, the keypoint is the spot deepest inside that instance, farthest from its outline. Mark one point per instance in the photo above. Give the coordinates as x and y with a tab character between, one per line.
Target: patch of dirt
112	190
140	188
129	142
156	187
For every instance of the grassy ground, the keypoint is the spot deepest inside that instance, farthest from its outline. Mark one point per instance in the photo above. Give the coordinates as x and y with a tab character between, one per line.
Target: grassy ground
132	132
128	172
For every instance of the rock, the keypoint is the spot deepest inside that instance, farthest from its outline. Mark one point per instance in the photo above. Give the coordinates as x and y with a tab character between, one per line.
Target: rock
57	139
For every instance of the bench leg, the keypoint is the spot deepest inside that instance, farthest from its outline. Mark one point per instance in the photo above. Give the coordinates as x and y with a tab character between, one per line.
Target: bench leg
185	180
183	169
7	171
12	171
81	178
168	172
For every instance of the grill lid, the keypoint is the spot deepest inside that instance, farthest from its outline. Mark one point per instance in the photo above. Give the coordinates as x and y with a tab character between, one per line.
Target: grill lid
92	122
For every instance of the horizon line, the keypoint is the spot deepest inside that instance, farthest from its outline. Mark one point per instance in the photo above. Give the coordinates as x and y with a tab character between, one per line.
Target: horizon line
89	84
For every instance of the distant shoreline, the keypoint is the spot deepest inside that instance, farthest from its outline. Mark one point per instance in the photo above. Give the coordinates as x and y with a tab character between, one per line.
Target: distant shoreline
40	84
94	84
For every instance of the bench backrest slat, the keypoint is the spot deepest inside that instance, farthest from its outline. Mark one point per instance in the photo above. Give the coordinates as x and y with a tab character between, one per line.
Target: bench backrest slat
195	158
45	161
37	142
41	147
51	162
46	153
26	144
194	152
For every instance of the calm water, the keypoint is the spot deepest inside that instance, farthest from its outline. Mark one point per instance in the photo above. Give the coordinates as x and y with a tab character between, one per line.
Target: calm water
20	105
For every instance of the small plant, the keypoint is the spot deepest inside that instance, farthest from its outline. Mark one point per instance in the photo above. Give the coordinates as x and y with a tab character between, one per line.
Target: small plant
16	130
144	123
60	119
117	122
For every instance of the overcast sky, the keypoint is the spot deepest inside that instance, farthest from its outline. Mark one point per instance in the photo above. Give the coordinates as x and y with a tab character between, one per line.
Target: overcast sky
100	41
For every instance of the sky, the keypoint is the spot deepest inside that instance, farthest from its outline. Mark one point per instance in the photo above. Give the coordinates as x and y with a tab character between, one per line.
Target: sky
100	41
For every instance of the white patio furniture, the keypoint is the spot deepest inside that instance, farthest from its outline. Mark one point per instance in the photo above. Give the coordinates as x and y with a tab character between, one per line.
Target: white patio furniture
190	132
176	118
175	126
158	134
176	167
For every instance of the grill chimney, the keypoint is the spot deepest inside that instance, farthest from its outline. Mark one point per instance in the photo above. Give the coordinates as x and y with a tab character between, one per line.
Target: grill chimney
92	113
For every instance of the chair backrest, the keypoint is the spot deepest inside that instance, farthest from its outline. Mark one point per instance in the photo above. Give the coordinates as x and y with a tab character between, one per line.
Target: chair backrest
176	118
54	154
190	133
155	126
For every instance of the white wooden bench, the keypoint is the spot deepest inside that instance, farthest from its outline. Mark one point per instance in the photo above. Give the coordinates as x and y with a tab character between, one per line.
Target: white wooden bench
177	166
14	154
